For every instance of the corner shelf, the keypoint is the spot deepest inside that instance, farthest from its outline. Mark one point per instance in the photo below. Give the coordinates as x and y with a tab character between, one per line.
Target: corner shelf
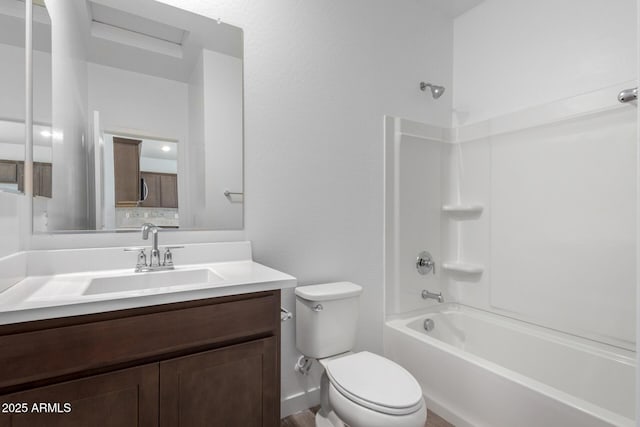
463	267
460	210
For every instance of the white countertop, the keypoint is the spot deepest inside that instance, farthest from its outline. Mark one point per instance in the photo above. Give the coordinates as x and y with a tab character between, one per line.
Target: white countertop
39	297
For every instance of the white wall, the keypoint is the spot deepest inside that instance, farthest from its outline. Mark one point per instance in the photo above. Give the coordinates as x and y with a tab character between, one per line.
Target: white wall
151	164
513	54
12	82
139	103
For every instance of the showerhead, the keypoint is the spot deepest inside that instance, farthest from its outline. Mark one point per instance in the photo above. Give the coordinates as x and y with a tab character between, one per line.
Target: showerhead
436	91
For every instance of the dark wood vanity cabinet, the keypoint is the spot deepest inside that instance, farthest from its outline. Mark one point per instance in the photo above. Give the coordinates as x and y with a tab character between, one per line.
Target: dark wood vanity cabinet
212	362
226	387
128	397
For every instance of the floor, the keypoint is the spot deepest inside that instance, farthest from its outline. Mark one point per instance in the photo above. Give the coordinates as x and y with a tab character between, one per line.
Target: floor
306	419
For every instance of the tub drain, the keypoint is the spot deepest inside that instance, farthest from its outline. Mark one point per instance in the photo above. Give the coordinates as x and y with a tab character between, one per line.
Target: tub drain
429	324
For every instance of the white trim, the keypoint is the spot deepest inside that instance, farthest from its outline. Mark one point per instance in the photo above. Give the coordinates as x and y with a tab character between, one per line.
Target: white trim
299	402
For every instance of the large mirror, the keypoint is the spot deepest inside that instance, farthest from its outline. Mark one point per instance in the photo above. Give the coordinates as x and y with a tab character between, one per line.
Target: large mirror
12	105
138	117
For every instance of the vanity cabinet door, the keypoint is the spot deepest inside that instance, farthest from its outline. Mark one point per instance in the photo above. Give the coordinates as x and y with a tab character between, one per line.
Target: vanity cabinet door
231	386
125	398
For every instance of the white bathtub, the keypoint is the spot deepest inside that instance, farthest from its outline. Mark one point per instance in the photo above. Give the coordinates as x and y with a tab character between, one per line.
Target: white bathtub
482	369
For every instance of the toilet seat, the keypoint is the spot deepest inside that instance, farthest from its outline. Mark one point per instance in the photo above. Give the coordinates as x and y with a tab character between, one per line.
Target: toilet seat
376	383
355	415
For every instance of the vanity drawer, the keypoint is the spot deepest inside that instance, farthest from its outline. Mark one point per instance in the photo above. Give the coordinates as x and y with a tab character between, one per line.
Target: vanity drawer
93	342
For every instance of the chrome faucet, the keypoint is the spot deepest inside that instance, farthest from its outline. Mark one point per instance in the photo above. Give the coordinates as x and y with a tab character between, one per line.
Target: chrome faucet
432	295
154	261
155	252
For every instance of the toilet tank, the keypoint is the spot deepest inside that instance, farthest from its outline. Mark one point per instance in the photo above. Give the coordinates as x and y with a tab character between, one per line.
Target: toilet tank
326	318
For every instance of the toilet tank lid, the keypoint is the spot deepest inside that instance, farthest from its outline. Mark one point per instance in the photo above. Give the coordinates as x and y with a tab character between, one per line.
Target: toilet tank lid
328	291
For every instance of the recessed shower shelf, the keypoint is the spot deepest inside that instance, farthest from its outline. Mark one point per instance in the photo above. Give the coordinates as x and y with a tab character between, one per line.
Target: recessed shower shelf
463	209
463	267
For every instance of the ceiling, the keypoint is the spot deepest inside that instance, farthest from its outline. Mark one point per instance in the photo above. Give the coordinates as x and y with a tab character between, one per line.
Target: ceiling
455	8
142	36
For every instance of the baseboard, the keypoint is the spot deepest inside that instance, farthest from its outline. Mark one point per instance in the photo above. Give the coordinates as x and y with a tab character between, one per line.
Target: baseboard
299	402
445	412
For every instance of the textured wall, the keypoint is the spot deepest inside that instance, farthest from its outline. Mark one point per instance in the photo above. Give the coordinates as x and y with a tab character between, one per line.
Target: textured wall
319	77
504	52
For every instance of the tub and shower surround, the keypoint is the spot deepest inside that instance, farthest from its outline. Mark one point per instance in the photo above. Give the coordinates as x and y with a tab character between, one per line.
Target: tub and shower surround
530	215
482	369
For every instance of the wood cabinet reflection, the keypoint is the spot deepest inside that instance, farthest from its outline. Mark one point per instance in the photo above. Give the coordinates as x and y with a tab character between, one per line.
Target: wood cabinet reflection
126	165
12	172
134	187
162	190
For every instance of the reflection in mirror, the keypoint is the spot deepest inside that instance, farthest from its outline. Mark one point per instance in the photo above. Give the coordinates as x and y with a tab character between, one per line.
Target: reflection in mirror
146	117
145	182
12	84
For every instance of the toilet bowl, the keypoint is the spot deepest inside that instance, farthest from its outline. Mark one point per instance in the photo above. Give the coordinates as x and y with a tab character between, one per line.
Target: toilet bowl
367	390
360	389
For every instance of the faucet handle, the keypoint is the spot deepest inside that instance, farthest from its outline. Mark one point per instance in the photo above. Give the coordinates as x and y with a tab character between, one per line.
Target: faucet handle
142	257
167	259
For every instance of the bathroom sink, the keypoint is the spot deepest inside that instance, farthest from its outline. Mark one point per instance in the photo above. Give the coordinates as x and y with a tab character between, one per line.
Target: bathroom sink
151	280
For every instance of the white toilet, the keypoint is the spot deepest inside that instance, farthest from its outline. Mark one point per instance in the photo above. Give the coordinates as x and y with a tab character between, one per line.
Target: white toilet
359	389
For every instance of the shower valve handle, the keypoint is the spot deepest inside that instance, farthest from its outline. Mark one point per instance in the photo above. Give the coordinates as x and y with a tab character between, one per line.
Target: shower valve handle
425	263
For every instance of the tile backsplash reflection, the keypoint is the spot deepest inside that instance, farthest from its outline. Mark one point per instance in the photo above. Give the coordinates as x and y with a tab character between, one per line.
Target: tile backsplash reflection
135	217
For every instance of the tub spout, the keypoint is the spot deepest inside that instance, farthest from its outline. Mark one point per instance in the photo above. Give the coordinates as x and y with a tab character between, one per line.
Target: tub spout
432	295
